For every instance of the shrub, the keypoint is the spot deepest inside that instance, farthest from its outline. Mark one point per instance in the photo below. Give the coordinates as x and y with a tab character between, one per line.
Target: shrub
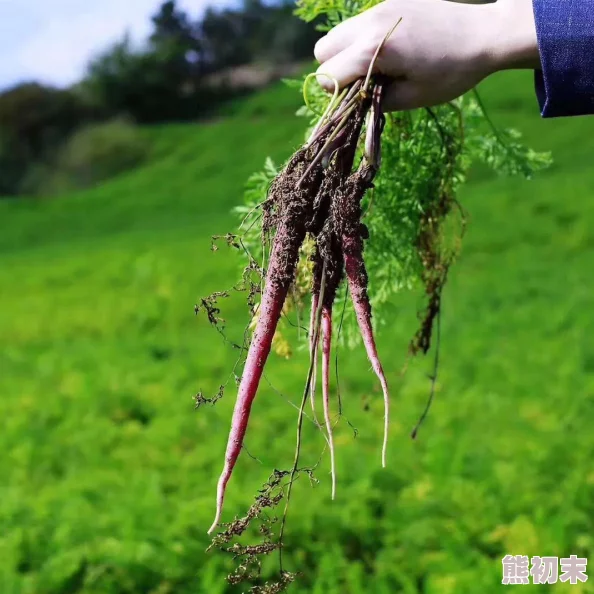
91	155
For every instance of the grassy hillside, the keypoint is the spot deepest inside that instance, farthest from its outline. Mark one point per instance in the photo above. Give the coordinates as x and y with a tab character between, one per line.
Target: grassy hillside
107	476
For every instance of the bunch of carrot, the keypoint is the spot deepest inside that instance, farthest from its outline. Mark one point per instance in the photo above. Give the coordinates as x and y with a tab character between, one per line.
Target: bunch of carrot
317	195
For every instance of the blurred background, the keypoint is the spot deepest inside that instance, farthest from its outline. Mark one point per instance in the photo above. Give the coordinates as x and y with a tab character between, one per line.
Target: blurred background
127	133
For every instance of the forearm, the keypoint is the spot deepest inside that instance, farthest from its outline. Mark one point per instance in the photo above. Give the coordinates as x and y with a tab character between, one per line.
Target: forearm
514	43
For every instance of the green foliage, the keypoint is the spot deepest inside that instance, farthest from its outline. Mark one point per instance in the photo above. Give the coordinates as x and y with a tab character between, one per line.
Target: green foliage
256	189
107	474
334	11
426	157
91	155
423	153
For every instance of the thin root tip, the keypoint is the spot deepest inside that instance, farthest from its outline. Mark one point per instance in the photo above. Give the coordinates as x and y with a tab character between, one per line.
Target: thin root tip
216	522
212	528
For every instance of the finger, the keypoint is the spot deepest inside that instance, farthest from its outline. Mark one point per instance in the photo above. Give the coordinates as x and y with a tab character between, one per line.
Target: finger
339	38
402	95
345	67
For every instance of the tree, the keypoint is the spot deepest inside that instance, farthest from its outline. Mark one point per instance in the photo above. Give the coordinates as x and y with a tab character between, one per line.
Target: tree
224	39
159	82
34	119
175	39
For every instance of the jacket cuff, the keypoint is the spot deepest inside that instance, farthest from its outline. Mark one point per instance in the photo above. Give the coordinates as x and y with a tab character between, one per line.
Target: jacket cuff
565	30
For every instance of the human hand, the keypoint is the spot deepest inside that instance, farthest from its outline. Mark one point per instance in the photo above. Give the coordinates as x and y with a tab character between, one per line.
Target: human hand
439	50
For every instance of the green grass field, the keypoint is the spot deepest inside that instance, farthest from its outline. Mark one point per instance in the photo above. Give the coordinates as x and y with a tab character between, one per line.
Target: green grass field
107	474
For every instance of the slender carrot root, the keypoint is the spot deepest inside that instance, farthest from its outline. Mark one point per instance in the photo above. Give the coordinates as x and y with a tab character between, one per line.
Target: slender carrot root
313	353
348	211
281	272
357	280
270	312
326	351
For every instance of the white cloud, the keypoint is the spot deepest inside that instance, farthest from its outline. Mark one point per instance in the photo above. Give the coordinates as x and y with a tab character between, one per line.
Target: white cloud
53	40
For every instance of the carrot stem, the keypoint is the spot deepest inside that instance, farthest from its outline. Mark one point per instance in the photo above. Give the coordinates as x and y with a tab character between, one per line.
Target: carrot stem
376	55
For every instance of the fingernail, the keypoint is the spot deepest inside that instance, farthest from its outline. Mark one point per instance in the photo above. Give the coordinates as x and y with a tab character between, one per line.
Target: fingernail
319	48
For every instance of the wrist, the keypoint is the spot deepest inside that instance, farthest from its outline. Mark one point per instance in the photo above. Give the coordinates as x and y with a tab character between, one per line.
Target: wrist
512	35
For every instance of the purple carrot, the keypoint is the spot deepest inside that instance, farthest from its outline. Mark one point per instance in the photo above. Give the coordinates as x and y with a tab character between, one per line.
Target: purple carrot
356	273
293	206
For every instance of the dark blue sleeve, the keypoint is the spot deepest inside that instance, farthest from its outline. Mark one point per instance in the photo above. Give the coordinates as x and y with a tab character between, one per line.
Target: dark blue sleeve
565	30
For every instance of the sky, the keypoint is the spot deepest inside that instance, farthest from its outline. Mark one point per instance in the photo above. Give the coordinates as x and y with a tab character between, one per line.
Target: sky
51	41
